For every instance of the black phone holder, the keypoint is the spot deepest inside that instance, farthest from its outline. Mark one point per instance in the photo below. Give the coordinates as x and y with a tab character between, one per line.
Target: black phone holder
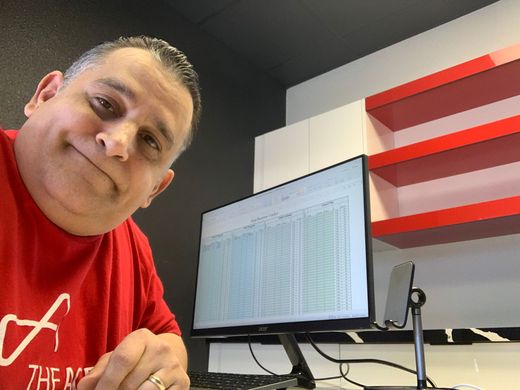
415	300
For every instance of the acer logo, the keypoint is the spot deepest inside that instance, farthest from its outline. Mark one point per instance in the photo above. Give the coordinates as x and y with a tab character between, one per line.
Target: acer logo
263	329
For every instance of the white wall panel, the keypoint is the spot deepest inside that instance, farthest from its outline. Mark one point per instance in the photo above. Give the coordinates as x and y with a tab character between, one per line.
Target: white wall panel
336	136
284	155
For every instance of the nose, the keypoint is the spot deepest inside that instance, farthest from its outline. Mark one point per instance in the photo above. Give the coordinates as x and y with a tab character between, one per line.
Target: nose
117	140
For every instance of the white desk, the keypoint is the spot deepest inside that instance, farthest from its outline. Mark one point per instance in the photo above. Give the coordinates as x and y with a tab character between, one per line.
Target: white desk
486	365
325	385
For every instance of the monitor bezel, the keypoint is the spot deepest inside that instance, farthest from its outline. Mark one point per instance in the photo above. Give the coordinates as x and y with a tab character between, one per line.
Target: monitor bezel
323	325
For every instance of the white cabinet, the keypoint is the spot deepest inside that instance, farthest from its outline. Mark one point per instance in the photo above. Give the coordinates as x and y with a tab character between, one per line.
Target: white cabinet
281	155
336	135
307	146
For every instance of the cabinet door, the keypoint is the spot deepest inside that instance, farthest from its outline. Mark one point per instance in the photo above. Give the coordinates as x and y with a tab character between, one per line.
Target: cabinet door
336	135
281	155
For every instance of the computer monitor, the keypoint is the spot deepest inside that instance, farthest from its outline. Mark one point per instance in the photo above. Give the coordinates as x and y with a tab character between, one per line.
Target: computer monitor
293	258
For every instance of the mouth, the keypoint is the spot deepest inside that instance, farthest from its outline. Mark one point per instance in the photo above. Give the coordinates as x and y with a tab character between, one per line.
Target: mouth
96	166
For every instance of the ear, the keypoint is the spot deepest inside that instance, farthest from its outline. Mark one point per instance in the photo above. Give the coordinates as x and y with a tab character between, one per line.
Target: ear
47	88
165	182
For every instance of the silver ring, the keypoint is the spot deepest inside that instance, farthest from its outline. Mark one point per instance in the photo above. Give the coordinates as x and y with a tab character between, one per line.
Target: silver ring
157	382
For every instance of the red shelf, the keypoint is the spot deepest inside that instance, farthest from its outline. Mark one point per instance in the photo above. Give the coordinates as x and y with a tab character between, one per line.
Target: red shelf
474	83
480	147
480	220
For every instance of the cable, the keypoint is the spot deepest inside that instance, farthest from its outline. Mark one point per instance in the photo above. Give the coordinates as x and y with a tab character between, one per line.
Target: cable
379	327
344	376
341	369
327	378
346	362
256	360
354	361
275	374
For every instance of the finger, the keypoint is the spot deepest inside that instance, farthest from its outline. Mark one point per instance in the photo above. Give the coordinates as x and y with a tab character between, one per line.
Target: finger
156	384
181	381
158	357
89	381
171	380
122	361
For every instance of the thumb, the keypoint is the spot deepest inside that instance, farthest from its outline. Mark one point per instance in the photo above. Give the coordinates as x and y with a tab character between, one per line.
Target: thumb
89	381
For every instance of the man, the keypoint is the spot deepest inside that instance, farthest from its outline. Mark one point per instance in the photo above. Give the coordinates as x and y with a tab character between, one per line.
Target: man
81	304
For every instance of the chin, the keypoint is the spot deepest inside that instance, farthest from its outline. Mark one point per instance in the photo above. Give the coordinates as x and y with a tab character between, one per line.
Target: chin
91	225
82	216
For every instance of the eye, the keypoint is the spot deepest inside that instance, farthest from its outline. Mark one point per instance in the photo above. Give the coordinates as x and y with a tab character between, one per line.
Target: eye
105	104
150	141
104	108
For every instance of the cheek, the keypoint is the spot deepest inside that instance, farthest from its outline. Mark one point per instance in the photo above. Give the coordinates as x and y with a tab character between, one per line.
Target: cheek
79	120
58	130
69	111
140	181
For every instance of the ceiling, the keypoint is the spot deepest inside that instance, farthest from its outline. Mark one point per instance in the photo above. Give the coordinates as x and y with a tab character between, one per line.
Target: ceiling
295	40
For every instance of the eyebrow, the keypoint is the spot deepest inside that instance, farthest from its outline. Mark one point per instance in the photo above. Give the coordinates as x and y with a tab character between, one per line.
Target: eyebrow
118	86
126	91
167	134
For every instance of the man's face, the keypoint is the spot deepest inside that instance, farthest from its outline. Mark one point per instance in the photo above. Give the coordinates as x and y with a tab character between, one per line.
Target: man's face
99	148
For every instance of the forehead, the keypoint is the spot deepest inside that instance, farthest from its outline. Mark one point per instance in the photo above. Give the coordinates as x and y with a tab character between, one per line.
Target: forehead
141	70
138	64
141	78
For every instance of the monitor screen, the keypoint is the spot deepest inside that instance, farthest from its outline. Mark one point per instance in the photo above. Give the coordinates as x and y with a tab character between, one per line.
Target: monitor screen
293	258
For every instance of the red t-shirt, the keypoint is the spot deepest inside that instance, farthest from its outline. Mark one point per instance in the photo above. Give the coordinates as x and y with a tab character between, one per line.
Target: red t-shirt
66	300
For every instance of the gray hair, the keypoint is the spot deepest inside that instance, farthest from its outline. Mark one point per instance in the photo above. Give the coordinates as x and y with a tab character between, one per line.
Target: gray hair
173	60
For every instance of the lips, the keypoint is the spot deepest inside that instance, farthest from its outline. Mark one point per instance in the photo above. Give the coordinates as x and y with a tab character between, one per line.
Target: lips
98	165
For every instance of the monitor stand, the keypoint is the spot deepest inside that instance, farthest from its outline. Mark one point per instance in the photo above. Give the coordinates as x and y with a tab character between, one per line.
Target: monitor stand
300	367
419	347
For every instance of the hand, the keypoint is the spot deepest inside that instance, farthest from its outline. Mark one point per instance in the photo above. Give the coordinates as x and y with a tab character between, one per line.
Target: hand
140	355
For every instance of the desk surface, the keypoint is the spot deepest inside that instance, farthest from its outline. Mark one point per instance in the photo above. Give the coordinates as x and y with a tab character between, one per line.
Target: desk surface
324	386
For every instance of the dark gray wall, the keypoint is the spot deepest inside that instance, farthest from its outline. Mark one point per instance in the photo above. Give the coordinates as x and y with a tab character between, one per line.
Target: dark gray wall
239	103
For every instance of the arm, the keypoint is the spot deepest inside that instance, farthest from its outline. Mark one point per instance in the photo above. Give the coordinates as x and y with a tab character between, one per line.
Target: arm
143	353
140	355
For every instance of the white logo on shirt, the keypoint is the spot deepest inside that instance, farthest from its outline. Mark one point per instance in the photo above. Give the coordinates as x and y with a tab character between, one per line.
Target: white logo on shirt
37	326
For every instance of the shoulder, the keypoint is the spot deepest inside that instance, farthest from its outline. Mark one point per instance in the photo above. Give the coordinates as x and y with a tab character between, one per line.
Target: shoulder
133	244
128	231
7	137
8	161
133	231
